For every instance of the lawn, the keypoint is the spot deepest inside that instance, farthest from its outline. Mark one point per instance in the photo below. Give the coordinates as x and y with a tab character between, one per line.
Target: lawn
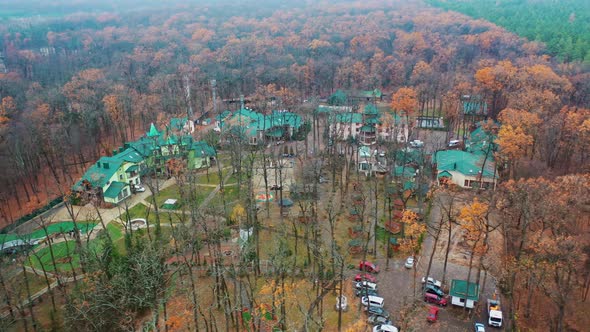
59	227
213	176
63	252
174	192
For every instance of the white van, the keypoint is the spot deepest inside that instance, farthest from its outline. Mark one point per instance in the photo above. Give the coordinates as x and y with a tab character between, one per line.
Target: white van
373	301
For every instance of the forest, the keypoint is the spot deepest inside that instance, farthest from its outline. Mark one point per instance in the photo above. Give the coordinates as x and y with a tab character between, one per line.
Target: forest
561	25
80	81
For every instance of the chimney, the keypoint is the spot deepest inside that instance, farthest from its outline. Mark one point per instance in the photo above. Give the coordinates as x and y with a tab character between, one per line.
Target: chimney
114	152
121	149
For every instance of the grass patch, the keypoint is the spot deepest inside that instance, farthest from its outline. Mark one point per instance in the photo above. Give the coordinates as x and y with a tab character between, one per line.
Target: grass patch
59	227
213	178
63	253
174	192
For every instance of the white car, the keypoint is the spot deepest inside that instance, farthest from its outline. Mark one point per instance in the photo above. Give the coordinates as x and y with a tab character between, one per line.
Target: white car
416	143
139	188
454	142
365	284
409	262
342	303
385	328
432	281
479	327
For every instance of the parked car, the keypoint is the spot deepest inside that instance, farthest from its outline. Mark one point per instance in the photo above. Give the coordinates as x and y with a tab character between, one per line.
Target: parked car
379	320
434	290
341	303
139	188
365	276
416	143
385	328
280	142
276	187
479	327
454	143
372	300
368	267
377	311
322	180
365	284
365	292
432	281
432	316
409	262
433	298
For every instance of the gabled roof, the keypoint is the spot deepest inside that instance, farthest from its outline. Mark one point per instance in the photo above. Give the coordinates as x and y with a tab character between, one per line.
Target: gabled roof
371	109
144	146
465	163
404	171
223	115
479	141
114	189
178	123
100	172
153	131
129	155
281	118
464	290
201	147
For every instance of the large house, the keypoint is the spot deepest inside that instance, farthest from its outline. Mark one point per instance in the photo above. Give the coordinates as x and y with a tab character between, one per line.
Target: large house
466	169
114	178
257	128
368	126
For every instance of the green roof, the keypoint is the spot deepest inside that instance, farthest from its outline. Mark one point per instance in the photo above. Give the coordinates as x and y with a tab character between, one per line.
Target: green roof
223	115
371	109
368	94
178	123
444	174
475	107
114	189
203	147
100	172
364	152
153	131
464	162
129	155
479	141
349	118
281	118
404	171
132	168
368	129
460	289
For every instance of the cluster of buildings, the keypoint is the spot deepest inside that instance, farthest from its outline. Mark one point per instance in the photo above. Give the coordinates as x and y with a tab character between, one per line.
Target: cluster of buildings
257	128
111	179
368	126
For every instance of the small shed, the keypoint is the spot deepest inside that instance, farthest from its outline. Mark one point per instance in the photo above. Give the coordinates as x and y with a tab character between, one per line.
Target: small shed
463	293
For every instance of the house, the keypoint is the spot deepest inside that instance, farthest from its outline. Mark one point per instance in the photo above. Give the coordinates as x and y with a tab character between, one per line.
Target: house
181	126
466	169
463	293
200	155
368	126
257	128
356	96
113	179
220	120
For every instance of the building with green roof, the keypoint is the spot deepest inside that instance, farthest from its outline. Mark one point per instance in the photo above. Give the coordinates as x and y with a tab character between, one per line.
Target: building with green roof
463	293
256	127
368	126
465	169
112	179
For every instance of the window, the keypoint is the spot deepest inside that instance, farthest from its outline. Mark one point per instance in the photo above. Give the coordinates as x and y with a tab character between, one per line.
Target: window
121	177
466	184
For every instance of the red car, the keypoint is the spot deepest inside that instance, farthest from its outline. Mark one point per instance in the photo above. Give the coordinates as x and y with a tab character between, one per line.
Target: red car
432	315
368	267
433	298
366	276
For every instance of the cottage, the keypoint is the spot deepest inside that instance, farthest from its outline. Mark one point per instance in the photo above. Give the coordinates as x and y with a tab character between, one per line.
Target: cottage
463	293
465	169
